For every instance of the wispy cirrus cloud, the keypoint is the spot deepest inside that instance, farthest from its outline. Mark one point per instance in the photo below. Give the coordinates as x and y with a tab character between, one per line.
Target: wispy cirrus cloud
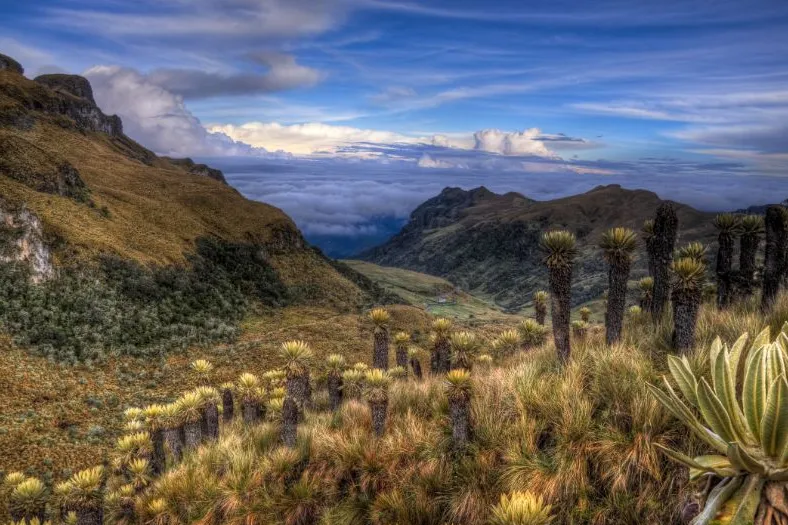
605	12
747	125
233	19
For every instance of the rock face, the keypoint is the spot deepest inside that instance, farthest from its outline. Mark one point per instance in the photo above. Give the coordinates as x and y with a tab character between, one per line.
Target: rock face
22	240
202	170
77	103
41	170
68	97
72	84
9	64
489	243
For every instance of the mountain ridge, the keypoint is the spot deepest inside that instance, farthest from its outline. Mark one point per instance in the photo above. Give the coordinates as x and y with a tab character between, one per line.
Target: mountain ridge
488	243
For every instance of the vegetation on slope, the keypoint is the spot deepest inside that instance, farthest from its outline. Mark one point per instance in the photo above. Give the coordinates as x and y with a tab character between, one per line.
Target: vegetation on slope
150	253
60	419
489	244
141	207
122	308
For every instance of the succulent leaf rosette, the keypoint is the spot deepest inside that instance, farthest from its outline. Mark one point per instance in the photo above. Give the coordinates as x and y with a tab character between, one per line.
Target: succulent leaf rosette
741	412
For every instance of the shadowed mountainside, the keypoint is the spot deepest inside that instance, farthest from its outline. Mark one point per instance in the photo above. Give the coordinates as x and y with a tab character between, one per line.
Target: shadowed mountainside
489	243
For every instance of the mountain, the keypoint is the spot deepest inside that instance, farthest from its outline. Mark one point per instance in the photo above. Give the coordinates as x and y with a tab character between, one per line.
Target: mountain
761	209
489	244
81	203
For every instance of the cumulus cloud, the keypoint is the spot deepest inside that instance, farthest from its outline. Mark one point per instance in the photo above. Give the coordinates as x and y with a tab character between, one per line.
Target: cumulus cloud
155	117
154	113
283	73
314	137
308	138
524	142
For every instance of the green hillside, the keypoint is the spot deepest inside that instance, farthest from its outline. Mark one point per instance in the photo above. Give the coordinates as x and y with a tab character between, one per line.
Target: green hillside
437	296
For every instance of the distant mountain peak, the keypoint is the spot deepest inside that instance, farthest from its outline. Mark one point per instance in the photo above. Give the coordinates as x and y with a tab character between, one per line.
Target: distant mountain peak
489	243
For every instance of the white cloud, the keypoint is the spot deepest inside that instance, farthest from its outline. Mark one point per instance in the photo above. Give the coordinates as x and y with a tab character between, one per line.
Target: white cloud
524	142
314	137
161	121
325	196
426	161
308	138
155	117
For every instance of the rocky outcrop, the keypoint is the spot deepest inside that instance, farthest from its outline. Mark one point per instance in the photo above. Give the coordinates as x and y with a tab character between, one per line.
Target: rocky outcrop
9	64
22	240
43	171
202	170
88	117
68	99
72	84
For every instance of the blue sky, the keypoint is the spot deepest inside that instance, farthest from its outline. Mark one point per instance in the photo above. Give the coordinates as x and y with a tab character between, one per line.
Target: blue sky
539	90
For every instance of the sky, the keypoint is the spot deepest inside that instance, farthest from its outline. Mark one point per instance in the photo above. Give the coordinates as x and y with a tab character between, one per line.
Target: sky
348	112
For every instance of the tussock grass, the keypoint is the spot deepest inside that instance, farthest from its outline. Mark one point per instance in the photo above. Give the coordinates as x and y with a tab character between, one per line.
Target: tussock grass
60	419
581	439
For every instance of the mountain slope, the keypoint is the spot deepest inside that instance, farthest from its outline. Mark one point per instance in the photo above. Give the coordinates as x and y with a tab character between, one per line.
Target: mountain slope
489	244
97	192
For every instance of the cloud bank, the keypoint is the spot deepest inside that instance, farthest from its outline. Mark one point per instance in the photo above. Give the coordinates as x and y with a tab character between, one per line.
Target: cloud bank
157	118
319	138
154	113
334	197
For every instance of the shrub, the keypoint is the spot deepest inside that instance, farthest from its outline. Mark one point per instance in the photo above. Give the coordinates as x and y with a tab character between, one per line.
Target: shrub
122	307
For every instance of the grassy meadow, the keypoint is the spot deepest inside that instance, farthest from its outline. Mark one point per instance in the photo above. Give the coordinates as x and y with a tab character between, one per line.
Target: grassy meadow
424	291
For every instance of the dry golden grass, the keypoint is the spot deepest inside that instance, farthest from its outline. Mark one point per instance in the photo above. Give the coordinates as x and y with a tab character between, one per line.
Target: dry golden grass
156	210
156	213
50	409
581	437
